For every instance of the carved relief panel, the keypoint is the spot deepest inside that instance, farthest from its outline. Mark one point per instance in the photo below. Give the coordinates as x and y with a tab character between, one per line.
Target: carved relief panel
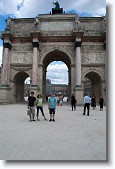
92	58
22	27
92	54
21	57
92	26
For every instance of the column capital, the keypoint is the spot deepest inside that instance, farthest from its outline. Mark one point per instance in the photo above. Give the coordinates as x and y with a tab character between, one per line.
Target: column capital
35	44
78	43
7	45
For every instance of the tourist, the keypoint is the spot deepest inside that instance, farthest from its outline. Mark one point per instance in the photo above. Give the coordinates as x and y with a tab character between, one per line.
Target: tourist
87	101
93	102
73	102
39	104
52	107
101	100
57	98
31	106
60	100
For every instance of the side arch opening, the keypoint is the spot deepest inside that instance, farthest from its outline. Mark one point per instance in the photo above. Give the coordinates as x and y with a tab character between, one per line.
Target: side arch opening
19	85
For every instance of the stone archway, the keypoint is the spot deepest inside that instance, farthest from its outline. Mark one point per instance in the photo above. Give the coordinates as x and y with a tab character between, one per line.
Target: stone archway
29	48
56	55
93	84
19	79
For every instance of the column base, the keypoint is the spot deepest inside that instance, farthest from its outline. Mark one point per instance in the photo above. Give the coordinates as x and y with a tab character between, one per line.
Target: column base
5	94
79	94
35	89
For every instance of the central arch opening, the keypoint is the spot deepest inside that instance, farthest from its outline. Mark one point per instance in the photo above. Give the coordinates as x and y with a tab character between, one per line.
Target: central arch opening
57	71
57	82
60	72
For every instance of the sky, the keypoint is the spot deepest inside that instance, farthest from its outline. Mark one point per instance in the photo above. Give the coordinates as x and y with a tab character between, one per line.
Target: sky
31	8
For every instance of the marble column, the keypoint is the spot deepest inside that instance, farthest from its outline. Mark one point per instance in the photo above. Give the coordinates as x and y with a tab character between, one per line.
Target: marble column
78	87
5	70
78	62
35	64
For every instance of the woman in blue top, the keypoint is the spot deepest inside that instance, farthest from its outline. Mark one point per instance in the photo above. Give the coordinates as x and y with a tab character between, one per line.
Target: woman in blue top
52	106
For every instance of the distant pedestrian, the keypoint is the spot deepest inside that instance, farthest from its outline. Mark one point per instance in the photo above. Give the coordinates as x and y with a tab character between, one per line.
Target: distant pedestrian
93	102
87	101
39	104
60	100
73	102
31	106
52	107
101	100
57	97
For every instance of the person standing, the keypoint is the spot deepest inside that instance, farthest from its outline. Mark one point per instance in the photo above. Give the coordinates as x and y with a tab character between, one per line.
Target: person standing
87	101
93	102
101	100
39	104
57	100
60	100
73	102
31	106
52	107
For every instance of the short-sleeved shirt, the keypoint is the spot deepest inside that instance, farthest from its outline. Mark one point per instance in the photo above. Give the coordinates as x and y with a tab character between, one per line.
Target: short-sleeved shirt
31	100
39	102
52	101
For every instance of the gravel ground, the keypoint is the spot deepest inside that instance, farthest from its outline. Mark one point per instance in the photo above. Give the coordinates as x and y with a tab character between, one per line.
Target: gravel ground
71	137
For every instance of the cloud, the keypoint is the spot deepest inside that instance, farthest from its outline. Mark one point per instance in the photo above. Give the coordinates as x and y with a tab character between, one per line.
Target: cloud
30	8
57	73
20	5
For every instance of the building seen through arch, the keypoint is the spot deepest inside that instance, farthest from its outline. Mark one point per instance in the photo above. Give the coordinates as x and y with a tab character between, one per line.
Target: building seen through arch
31	44
56	89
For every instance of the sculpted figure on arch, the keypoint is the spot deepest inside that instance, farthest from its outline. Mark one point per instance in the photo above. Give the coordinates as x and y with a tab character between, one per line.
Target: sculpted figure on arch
57	6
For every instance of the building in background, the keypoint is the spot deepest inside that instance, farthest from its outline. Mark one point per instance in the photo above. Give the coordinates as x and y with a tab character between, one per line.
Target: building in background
57	89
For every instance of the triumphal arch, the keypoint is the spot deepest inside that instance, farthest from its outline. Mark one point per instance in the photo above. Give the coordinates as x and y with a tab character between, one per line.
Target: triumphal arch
31	44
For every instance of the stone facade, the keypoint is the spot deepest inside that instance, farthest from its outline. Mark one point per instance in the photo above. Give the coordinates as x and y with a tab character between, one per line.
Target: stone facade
31	44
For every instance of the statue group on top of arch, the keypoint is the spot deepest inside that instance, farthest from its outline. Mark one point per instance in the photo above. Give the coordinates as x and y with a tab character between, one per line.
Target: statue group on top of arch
57	6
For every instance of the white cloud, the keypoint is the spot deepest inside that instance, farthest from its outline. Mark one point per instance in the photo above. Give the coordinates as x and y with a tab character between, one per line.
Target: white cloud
1	49
30	8
57	73
8	7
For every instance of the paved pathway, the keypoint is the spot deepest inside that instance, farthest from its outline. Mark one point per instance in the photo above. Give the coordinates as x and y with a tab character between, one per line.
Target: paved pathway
71	137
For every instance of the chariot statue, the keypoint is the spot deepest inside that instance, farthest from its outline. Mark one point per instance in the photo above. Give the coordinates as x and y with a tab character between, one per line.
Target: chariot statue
57	6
